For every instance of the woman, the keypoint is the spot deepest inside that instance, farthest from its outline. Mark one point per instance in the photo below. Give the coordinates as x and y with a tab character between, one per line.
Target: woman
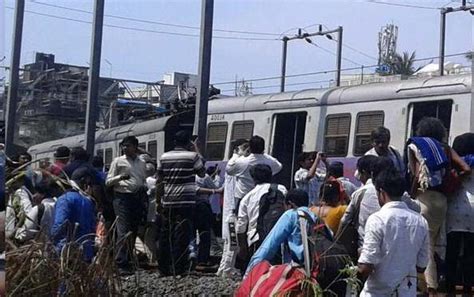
423	153
331	208
460	222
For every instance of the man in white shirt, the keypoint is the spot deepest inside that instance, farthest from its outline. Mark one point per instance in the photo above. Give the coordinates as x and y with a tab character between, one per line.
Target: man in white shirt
396	242
310	177
381	147
240	167
248	214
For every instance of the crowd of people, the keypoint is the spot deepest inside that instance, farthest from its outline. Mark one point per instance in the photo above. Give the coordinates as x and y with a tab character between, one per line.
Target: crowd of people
412	216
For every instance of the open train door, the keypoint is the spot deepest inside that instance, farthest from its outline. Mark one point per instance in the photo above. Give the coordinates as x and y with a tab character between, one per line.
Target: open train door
287	144
440	109
177	122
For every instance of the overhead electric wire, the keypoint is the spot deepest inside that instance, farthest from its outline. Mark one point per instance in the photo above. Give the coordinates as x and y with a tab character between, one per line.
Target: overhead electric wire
156	22
334	54
145	30
290	84
402	5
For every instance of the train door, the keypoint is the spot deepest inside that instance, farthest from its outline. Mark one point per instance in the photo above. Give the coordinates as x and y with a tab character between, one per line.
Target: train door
288	139
440	109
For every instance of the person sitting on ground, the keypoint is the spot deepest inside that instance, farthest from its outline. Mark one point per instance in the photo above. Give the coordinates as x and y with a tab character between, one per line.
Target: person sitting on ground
40	218
248	215
336	170
61	158
381	147
307	177
332	208
76	208
396	242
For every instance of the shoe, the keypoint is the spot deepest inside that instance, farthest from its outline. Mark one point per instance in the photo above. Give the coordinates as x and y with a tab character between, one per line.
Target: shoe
207	267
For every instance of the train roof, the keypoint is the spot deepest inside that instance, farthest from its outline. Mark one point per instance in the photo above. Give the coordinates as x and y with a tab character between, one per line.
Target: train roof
428	86
111	134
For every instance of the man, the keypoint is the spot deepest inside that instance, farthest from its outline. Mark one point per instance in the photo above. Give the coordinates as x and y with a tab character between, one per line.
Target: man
127	177
75	213
396	242
177	170
61	158
240	167
336	170
78	158
248	214
19	204
240	148
381	147
307	178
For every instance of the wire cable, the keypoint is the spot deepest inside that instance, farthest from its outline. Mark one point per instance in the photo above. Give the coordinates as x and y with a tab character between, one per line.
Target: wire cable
402	5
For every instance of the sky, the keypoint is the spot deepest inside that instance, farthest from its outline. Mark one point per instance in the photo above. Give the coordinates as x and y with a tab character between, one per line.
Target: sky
146	54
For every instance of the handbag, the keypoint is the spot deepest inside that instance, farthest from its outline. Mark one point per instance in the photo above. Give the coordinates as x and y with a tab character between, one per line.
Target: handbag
348	235
451	180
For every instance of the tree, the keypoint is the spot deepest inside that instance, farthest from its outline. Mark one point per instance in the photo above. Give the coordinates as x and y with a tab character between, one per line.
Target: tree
404	64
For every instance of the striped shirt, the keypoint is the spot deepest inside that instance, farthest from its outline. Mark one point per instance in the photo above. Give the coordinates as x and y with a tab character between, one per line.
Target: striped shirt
178	169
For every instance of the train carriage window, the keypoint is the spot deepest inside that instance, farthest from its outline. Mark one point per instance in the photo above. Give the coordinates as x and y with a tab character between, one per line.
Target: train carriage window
108	157
142	145
366	122
241	130
152	148
216	139
100	152
336	136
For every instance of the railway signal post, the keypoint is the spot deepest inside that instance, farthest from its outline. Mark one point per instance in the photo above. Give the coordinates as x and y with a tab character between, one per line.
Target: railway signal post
200	120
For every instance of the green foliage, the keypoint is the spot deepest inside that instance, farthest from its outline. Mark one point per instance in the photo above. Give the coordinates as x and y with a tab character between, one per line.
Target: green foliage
404	64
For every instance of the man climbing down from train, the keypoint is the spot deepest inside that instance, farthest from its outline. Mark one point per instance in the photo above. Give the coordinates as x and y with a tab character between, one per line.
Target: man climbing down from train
240	167
240	148
308	178
381	147
127	177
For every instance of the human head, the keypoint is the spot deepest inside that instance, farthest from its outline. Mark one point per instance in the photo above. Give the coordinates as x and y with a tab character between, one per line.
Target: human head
305	160
62	154
364	167
241	147
380	164
182	139
79	153
380	138
297	198
130	146
431	127
261	174
390	186
336	169
42	191
464	144
83	177
24	158
257	144
97	162
149	169
330	192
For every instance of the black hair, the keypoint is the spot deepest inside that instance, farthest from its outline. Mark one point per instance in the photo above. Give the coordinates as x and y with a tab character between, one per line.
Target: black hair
380	164
210	170
336	169
44	189
83	176
97	162
390	181
257	144
302	157
79	153
431	127
261	173
130	140
238	142
182	138
330	192
380	133
464	144
364	164
298	197
26	154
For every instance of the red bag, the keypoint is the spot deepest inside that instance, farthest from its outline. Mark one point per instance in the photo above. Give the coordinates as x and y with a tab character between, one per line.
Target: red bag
451	181
278	280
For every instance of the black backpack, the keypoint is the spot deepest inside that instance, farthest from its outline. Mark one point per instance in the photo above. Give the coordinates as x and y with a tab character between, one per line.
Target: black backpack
271	207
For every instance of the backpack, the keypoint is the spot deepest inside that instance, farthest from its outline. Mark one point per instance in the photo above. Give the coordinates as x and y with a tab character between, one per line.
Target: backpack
270	209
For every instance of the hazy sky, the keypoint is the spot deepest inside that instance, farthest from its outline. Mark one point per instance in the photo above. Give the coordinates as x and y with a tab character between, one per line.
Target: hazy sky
148	55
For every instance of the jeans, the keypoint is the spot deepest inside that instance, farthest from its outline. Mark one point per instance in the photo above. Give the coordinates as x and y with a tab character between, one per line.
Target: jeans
175	236
128	208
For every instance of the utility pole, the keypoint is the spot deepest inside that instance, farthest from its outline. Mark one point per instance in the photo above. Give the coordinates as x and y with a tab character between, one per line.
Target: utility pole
205	48
442	32
306	36
12	99
94	76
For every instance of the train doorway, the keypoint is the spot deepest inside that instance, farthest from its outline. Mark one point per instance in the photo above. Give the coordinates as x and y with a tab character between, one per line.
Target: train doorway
441	109
182	121
288	138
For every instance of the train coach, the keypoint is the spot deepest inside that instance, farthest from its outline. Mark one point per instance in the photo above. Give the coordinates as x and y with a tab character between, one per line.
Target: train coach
337	121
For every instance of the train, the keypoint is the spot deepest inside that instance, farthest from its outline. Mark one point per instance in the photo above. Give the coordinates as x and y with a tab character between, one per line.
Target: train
335	120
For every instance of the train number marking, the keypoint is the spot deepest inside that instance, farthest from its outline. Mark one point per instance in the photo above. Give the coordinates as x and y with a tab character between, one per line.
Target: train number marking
217	117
